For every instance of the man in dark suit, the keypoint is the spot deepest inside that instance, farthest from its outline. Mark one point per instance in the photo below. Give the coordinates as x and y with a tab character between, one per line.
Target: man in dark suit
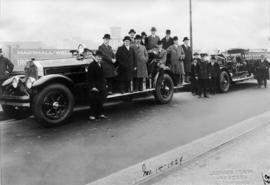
108	60
262	71
6	67
167	41
214	71
203	75
194	74
97	88
188	58
125	57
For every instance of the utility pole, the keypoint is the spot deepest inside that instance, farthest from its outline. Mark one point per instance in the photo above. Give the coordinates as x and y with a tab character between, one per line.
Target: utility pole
190	25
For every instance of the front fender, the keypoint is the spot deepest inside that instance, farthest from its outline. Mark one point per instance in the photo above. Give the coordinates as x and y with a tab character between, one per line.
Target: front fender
53	78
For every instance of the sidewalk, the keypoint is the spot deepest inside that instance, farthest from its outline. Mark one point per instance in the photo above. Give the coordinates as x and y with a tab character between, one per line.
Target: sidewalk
244	161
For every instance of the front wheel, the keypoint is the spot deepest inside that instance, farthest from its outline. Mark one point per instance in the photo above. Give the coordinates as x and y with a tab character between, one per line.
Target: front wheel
53	105
164	89
16	112
224	81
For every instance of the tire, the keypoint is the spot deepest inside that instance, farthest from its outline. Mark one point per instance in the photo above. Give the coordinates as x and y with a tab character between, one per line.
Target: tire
16	112
53	105
224	82
164	89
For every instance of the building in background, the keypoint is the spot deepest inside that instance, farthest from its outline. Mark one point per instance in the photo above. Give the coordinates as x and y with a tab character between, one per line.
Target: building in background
116	40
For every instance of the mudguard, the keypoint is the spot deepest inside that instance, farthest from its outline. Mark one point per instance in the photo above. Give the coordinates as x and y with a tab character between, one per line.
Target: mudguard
53	78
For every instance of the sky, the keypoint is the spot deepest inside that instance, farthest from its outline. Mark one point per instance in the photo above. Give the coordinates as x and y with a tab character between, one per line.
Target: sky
218	24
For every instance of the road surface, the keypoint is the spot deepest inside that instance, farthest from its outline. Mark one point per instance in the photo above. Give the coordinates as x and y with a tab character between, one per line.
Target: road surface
83	151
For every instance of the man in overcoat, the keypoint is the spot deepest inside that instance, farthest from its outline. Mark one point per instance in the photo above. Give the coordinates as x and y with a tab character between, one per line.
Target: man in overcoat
108	61
97	88
177	55
6	67
141	59
125	57
152	40
203	75
214	71
188	58
132	33
262	71
167	41
194	74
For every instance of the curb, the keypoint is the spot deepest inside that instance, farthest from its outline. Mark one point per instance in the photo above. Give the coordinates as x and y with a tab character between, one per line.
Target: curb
179	156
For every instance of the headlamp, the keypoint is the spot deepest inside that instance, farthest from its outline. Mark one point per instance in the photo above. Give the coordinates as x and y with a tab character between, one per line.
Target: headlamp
29	82
15	82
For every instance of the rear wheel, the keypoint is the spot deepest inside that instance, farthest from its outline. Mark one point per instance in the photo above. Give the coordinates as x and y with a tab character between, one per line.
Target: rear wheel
53	106
164	89
224	81
16	112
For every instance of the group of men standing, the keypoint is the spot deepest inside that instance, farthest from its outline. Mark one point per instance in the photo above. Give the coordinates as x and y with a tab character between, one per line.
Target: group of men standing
204	75
131	61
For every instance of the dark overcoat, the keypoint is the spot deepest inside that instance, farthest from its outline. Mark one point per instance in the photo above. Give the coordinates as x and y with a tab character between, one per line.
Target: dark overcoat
203	70
107	64
126	62
166	42
188	58
176	54
214	70
6	67
262	69
141	59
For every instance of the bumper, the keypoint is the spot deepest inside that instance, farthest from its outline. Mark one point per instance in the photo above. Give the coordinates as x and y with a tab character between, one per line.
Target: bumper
21	101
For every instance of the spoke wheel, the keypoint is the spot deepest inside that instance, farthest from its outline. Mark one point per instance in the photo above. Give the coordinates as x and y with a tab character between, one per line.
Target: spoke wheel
164	89
224	81
53	105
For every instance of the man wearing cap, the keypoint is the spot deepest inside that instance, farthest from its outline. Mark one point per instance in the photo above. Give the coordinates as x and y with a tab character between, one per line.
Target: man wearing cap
262	71
152	40
167	40
188	58
132	33
177	55
125	57
108	60
6	67
97	88
214	71
194	74
141	59
203	75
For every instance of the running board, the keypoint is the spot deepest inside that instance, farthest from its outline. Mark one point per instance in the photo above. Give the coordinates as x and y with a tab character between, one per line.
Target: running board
243	78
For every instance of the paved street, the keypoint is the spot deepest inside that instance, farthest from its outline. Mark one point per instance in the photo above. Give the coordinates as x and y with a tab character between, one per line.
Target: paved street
233	163
83	151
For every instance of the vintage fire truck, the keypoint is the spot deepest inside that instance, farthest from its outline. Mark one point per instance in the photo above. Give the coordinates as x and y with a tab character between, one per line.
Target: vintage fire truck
50	89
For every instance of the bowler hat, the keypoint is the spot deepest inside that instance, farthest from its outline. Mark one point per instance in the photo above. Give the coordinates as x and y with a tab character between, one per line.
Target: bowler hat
153	29
131	31
168	31
98	53
185	38
107	36
127	38
138	37
175	38
143	34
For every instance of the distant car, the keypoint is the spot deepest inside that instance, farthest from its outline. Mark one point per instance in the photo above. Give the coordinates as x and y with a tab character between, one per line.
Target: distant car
50	89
